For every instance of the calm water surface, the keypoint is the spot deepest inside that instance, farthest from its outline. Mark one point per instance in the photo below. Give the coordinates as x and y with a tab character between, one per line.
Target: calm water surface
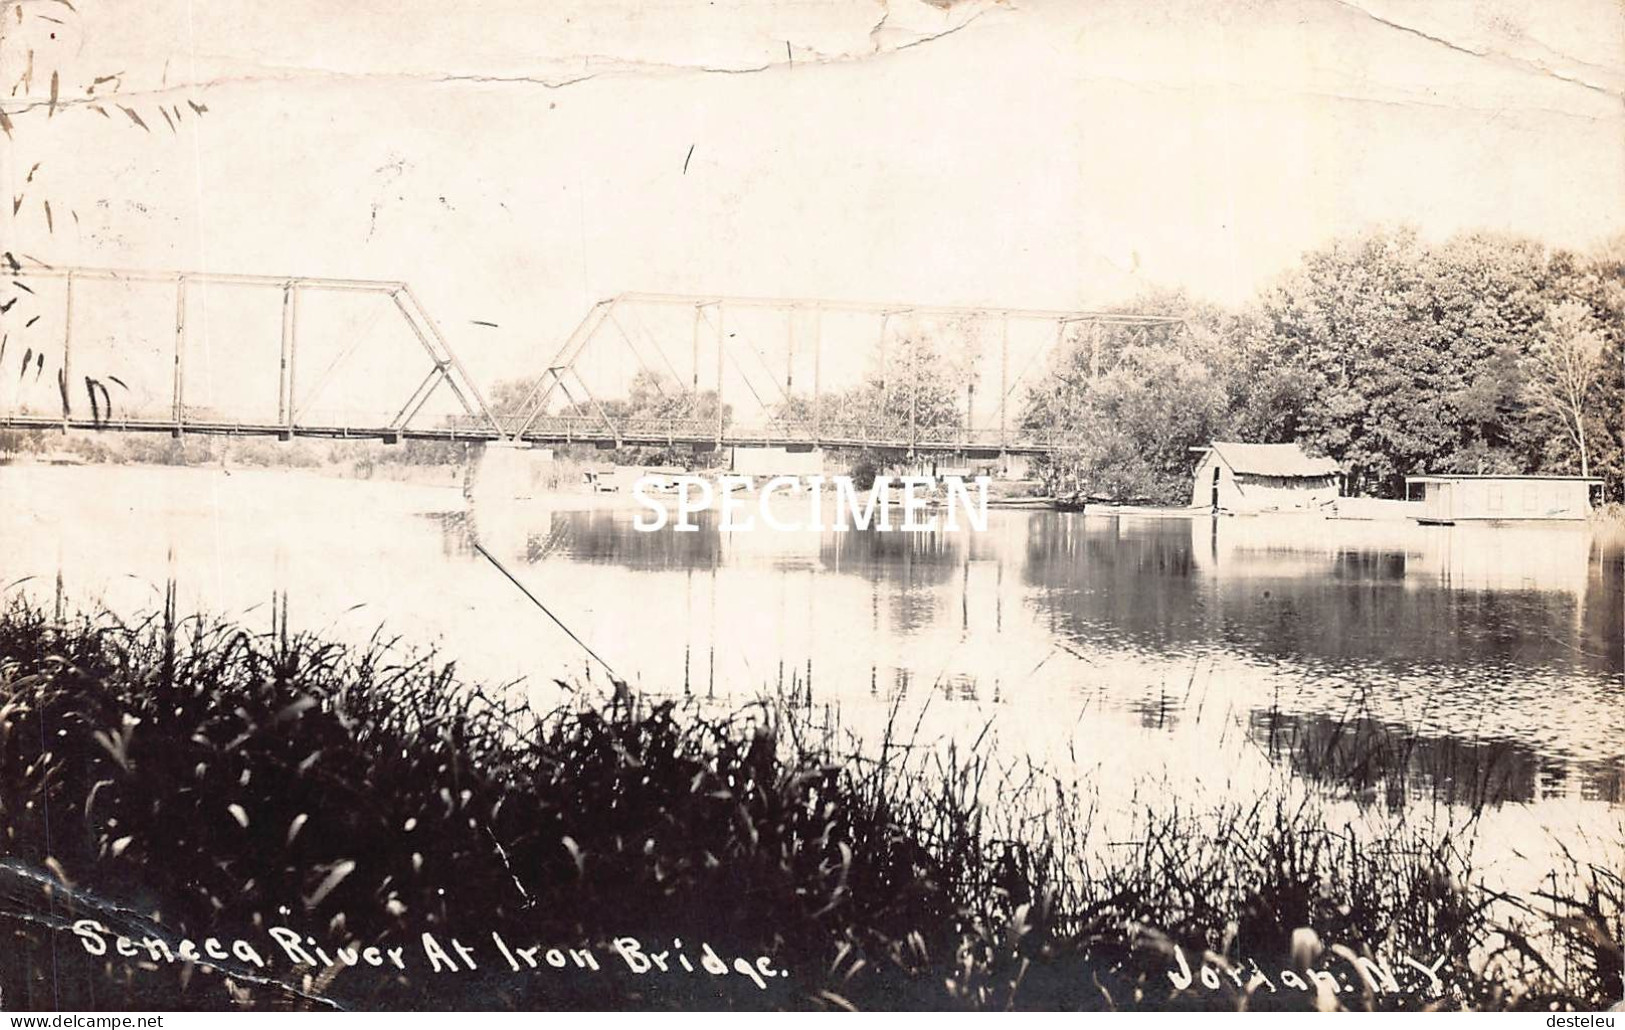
1461	663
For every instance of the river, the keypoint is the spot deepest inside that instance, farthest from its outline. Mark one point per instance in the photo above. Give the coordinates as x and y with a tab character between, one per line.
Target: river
1462	664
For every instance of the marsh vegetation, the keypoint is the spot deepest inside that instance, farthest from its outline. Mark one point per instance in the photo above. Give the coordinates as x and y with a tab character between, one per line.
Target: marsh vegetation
180	778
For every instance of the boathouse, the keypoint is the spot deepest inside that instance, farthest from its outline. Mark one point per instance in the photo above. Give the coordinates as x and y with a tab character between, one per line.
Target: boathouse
1447	499
1260	477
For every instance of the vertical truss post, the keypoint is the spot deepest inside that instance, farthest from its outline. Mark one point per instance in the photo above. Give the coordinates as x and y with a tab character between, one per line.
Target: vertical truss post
980	320
913	396
970	410
818	373
694	366
884	382
694	361
284	395
722	343
789	351
1057	356
179	388
969	435
1004	381
67	352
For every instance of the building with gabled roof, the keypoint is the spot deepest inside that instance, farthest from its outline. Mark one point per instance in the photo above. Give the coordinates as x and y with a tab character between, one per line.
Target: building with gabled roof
1259	477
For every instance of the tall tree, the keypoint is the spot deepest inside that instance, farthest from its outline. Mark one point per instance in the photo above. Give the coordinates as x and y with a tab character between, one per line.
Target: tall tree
1564	368
1125	404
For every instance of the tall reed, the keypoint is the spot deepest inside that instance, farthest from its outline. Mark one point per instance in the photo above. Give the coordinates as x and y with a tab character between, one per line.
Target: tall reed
180	777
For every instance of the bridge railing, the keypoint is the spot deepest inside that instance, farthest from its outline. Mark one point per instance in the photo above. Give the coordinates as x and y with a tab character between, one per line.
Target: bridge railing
646	431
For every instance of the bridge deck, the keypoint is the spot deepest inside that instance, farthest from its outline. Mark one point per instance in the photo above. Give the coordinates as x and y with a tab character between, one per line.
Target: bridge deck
542	432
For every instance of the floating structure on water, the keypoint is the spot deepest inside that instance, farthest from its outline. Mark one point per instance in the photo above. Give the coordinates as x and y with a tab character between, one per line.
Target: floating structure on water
1448	499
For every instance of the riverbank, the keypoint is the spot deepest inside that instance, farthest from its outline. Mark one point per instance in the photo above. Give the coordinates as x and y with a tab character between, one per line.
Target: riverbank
1610	518
182	780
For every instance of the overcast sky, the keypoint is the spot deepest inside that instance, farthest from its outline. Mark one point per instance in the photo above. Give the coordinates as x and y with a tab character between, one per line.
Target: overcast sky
518	160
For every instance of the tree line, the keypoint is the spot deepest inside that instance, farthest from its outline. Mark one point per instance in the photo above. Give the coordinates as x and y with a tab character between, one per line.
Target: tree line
1393	355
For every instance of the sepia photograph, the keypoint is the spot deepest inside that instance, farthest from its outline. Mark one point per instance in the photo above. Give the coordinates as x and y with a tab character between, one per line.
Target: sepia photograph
834	505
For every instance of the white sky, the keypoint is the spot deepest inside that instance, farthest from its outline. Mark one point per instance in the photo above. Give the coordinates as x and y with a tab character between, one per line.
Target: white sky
517	161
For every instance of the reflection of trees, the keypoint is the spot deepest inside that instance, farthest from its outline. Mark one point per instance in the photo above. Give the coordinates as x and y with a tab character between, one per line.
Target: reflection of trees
607	537
905	559
1144	581
1371	759
1344	619
924	559
1094	579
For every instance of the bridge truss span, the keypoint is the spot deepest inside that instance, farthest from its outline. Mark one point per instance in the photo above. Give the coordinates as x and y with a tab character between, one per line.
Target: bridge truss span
307	356
222	353
651	368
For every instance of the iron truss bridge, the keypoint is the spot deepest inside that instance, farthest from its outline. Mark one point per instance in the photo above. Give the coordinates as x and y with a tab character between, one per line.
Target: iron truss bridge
125	350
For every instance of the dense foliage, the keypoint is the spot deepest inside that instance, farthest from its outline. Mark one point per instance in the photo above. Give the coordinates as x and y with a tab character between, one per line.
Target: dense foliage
1391	354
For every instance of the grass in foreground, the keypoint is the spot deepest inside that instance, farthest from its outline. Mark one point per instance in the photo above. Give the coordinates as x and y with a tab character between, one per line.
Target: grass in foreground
181	779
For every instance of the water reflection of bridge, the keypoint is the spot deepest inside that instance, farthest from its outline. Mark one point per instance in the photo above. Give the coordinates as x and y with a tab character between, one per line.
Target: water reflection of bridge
300	356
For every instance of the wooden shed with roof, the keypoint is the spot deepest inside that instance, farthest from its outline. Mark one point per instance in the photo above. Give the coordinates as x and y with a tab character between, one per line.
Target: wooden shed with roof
1260	477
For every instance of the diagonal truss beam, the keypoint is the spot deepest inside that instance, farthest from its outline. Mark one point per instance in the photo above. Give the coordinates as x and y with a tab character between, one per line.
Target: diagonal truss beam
618	309
446	368
535	401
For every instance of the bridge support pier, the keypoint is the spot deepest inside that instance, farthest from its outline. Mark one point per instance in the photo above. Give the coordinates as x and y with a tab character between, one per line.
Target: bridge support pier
507	471
1016	466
